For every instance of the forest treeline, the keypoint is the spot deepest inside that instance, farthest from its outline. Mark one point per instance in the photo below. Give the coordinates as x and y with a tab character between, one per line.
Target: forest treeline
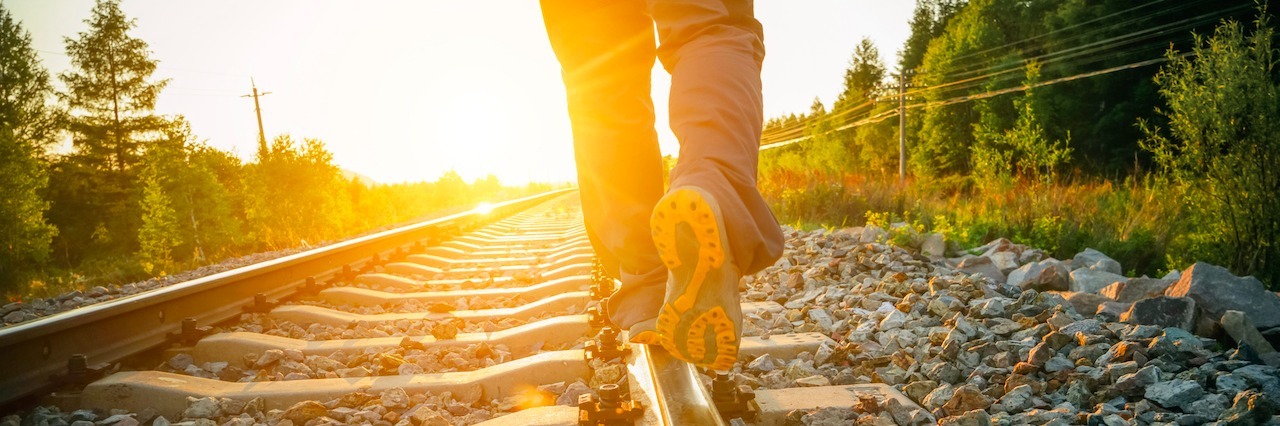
1146	129
138	194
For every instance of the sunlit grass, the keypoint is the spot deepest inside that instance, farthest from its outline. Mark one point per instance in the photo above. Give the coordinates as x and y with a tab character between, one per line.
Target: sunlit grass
1136	222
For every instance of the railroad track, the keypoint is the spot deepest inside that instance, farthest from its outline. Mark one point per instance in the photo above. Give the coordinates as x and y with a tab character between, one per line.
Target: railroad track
478	318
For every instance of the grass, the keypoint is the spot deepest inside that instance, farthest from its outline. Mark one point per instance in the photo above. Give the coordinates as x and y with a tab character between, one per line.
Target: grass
1135	222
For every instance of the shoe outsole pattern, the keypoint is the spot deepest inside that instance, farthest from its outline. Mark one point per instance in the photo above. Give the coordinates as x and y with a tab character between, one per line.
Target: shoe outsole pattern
644	333
689	207
647	337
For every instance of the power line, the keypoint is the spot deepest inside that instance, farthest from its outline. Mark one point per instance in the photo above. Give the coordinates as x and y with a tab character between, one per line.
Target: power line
1159	30
794	131
978	96
158	66
1038	36
962	67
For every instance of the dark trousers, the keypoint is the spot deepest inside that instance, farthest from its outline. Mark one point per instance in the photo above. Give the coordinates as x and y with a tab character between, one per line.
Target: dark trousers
713	50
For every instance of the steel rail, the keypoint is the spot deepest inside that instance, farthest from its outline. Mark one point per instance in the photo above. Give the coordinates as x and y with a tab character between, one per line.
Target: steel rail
679	397
111	331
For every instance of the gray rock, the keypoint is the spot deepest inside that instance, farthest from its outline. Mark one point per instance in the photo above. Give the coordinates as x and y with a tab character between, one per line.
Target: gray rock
1017	400
302	412
1031	255
1241	329
1093	259
1040	354
82	415
1058	363
1135	289
994	307
938	397
820	317
1087	326
763	363
1230	384
1007	261
995	246
15	317
180	361
395	398
813	381
1216	291
983	266
1092	280
895	319
934	245
1174	393
1138	381
1209	406
968	418
202	408
1249	408
571	393
1085	303
1163	311
1112	311
1045	275
269	357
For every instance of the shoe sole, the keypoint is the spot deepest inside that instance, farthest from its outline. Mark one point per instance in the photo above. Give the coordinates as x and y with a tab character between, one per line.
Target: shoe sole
644	334
681	326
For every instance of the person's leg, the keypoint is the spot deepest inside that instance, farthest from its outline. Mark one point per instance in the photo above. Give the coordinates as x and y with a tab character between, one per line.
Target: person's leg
713	50
606	51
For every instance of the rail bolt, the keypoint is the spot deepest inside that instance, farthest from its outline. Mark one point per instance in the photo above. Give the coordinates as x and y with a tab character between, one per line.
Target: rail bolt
190	333
733	401
605	346
261	305
595	317
77	364
611	408
79	373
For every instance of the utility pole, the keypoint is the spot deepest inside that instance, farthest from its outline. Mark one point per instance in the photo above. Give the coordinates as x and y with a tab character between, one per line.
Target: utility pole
262	136
902	127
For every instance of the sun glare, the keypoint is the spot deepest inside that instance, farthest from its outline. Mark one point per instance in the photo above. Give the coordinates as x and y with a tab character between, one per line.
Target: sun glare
484	208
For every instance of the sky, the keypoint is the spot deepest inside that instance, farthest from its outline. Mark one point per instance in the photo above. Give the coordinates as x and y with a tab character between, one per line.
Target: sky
407	90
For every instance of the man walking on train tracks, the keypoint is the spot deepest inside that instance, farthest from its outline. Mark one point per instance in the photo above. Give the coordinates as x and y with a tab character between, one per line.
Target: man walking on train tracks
680	254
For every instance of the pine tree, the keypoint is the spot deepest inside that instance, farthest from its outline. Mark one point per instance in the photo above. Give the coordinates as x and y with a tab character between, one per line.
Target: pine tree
109	90
156	237
111	99
864	78
27	125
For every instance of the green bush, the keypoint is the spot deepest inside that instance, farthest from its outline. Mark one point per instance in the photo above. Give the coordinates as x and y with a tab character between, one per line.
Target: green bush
1222	146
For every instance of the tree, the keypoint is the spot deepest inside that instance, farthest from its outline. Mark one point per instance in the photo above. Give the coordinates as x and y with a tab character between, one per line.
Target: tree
928	21
864	77
111	98
1223	144
178	172
295	194
109	89
156	237
27	125
25	90
1023	151
946	133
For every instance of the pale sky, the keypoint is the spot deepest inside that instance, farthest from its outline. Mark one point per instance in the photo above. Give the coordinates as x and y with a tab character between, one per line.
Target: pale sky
405	90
